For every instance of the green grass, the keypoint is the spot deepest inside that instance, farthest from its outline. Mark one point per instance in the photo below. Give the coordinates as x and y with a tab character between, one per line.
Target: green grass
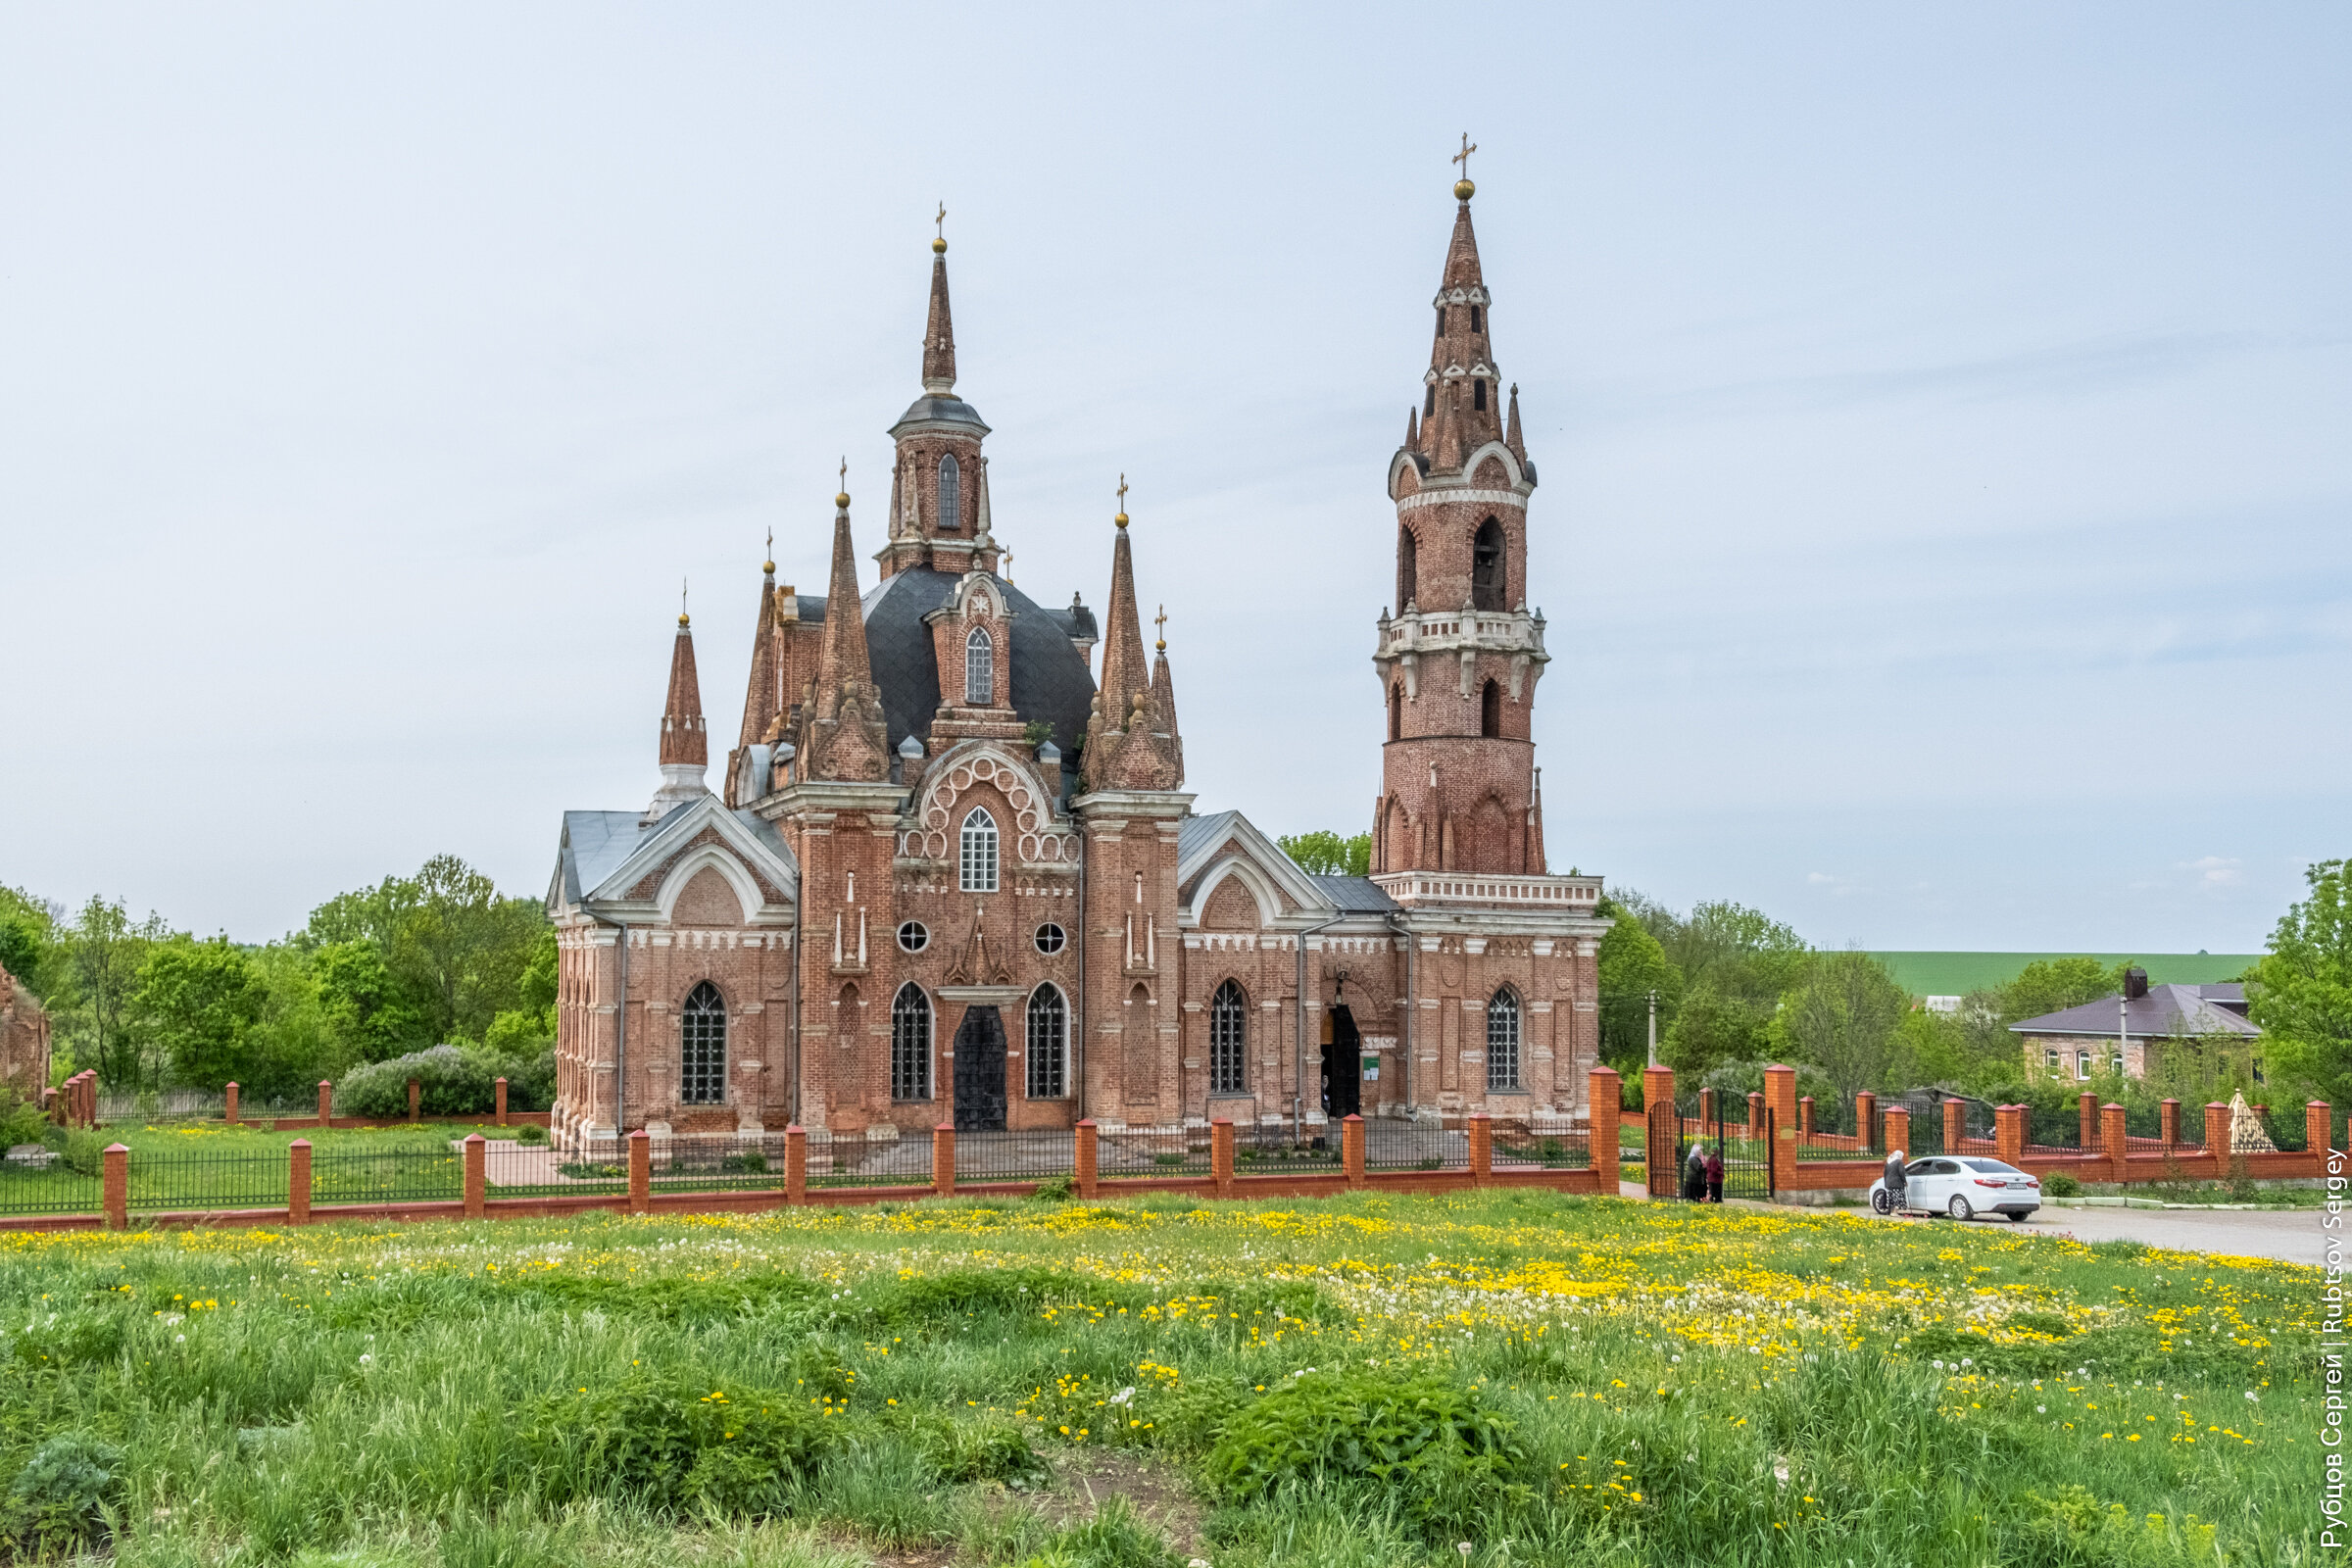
1956	974
1363	1381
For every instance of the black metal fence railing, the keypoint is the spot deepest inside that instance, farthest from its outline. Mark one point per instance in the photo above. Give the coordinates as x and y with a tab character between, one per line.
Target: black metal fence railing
1396	1144
850	1161
383	1176
1017	1155
1153	1153
1261	1148
36	1185
1522	1146
1821	1145
161	1183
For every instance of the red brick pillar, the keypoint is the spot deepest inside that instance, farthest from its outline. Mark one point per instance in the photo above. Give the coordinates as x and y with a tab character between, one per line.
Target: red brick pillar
1804	1116
326	1102
2086	1107
1482	1148
298	1182
942	1159
1756	1115
2318	1121
116	1187
796	1163
1659	1130
2112	1137
228	1112
641	1172
1607	1095
1780	1102
2216	1138
1955	1125
1866	1120
1220	1155
1706	1106
476	1176
1089	1160
498	1087
2009	1133
415	1098
1352	1151
2169	1126
1898	1119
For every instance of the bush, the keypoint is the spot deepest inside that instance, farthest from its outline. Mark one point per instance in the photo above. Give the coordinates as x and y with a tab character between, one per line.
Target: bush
1434	1448
58	1500
2058	1184
453	1080
653	1440
531	1133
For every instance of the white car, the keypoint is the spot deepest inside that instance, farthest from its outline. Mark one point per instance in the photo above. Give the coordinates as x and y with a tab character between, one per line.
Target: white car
1963	1187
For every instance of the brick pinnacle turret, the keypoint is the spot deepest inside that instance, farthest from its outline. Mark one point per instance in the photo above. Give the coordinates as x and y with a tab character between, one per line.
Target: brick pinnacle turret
843	735
939	332
685	745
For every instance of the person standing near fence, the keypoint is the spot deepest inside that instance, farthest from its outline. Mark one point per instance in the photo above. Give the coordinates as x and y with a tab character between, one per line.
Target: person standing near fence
1894	1181
1714	1176
1694	1175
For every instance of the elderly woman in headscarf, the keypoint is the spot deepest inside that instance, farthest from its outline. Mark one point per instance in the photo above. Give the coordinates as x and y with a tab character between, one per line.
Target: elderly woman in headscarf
1894	1181
1694	1174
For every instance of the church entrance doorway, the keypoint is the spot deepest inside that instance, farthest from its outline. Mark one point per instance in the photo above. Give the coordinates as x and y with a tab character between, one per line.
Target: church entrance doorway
1342	1064
980	1071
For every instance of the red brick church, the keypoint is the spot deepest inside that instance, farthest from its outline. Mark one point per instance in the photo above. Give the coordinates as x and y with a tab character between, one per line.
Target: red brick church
950	873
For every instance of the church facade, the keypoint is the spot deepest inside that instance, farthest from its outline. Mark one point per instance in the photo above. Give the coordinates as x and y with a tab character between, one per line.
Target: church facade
950	870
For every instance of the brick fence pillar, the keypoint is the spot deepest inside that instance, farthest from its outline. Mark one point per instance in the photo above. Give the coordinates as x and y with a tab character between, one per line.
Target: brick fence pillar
2318	1121
942	1159
1607	1095
641	1172
2168	1127
1780	1104
116	1187
2087	1108
476	1159
1955	1125
1220	1155
1706	1104
1352	1151
298	1182
1804	1116
326	1102
1866	1120
498	1088
1898	1119
1659	1130
89	1097
415	1098
2009	1133
1482	1148
229	1111
796	1163
1088	1160
2216	1138
1756	1115
2113	1138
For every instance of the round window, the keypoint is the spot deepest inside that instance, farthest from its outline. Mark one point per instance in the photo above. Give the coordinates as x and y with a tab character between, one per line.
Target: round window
1050	938
914	937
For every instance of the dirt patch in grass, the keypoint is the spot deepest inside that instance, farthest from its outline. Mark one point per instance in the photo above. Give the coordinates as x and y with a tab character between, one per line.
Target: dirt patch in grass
1085	1479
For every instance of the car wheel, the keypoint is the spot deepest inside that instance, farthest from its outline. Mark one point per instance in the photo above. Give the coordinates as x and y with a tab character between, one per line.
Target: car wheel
2017	1219
1882	1201
1959	1209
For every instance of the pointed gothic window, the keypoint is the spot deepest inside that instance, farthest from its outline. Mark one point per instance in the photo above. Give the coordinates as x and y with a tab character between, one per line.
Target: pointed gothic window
1478	393
1396	713
1440	321
951	495
979	668
1408	568
1486	566
977	865
1490	710
702	1038
1429	404
1503	1039
1049	1052
1475	324
911	1043
1228	1041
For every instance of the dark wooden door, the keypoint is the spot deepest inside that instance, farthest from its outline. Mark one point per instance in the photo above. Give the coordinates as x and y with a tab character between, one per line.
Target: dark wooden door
980	1070
1343	1066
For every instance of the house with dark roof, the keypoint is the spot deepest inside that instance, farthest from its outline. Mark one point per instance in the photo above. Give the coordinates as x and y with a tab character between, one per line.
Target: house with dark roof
2147	1031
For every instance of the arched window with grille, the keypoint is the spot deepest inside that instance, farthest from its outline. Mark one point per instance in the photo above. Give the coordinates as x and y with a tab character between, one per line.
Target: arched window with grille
951	494
977	861
1048	1044
702	1042
911	1043
979	668
1229	1040
1503	1039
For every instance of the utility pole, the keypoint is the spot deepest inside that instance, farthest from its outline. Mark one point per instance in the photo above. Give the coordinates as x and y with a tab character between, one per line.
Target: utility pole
1653	1026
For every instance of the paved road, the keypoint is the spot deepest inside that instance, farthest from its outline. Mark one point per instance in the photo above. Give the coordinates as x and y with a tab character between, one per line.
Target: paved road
2292	1234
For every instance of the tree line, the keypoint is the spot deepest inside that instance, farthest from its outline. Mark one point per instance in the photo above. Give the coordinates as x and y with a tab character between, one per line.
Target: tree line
439	957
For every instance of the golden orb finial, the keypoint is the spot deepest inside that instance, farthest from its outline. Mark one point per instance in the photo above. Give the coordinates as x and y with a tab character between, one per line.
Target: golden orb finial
1463	190
938	246
1121	518
840	497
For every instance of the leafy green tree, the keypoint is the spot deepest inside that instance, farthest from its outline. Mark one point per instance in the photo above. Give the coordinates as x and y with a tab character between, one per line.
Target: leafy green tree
461	951
1632	966
1327	853
1843	1015
2052	985
531	1027
2300	993
201	1001
1712	1027
363	1008
105	951
29	940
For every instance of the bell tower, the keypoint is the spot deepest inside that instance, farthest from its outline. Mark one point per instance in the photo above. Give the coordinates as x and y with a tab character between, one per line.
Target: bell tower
1460	654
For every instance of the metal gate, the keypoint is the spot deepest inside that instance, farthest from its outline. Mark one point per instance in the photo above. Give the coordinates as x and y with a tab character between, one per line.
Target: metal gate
1745	1151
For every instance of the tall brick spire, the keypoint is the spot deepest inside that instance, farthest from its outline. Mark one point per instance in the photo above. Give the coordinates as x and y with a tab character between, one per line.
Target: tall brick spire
939	332
1129	743
1163	690
843	734
685	746
1461	356
759	693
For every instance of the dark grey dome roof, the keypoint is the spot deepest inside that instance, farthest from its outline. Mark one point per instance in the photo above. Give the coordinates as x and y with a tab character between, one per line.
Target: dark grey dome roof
935	408
1051	681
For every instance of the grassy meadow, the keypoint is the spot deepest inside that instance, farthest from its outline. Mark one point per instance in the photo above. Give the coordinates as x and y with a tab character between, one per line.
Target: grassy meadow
1507	1377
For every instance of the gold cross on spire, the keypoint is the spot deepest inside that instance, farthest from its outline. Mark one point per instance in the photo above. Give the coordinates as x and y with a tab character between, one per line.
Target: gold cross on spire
770	567
1009	566
1463	157
1162	621
1121	518
681	600
942	220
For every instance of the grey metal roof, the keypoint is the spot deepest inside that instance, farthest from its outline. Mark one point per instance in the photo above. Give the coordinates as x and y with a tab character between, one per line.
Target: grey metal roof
1355	893
931	410
2166	1009
1051	681
1077	620
1195	834
595	844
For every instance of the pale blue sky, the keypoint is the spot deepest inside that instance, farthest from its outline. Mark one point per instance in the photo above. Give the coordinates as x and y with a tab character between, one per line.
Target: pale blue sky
1941	416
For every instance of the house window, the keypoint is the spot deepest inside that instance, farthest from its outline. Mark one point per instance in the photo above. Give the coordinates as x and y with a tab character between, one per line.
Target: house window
979	668
951	495
2056	1070
1486	566
1228	1041
1503	1039
1048	1044
2256	1066
702	1059
978	866
2082	1064
911	1043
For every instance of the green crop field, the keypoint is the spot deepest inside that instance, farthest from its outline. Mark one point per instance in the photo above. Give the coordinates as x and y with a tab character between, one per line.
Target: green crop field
1509	1377
1956	974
